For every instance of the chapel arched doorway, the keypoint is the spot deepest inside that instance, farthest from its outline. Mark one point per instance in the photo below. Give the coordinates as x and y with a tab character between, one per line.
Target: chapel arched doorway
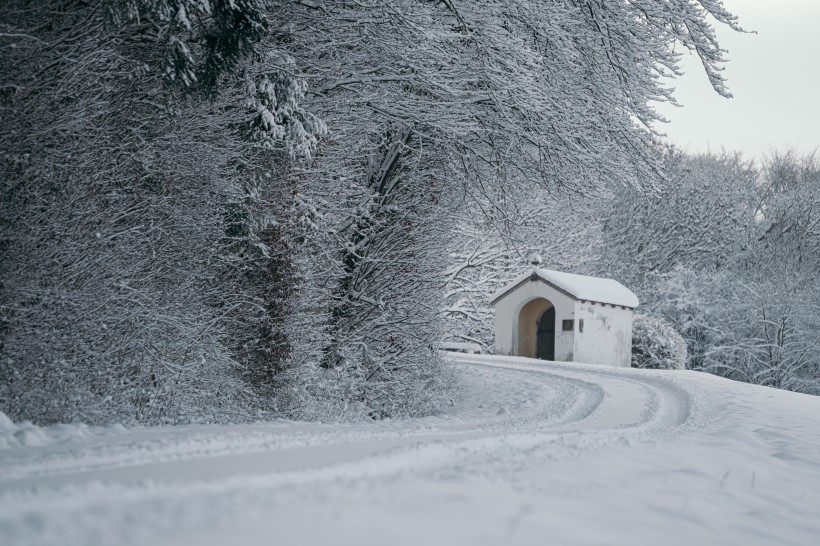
536	330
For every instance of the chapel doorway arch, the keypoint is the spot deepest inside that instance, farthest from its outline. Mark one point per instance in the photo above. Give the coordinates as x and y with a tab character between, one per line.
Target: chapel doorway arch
530	343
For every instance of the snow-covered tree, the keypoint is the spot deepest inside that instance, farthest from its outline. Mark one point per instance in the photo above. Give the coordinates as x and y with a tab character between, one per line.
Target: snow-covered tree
134	232
199	40
381	260
789	211
699	216
725	254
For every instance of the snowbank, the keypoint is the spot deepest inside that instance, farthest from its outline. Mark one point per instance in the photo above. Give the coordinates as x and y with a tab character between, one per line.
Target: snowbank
26	434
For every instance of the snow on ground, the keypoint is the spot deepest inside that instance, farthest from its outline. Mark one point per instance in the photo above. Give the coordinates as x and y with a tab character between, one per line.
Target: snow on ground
530	453
26	434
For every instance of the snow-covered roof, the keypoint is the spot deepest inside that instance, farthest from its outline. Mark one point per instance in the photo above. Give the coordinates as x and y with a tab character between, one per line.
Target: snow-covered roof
579	287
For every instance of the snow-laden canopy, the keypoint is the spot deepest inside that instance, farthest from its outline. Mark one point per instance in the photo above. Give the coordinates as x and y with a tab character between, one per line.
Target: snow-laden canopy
580	287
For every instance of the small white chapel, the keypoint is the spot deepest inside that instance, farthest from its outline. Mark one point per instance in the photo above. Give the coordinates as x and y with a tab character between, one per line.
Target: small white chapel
553	315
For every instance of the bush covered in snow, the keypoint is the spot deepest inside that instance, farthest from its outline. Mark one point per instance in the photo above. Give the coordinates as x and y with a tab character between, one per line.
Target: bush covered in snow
25	434
656	344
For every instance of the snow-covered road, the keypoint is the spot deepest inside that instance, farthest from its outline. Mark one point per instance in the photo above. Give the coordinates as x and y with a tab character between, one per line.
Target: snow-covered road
530	453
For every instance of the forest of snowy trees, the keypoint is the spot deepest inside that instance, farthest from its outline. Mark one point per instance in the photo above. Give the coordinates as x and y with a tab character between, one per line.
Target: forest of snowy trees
229	210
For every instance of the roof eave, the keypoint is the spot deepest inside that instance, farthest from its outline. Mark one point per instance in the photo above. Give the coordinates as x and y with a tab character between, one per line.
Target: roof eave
533	277
536	277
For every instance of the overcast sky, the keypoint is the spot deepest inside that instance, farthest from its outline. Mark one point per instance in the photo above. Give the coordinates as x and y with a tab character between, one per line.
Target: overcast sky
774	76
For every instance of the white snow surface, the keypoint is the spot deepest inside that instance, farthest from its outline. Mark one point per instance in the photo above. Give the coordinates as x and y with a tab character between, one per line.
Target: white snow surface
530	453
581	287
26	434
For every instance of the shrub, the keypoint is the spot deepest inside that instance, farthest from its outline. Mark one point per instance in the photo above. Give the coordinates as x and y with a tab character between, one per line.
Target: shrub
657	345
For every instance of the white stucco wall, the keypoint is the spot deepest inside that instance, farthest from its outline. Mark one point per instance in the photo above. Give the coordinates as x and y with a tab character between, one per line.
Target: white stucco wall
508	309
607	335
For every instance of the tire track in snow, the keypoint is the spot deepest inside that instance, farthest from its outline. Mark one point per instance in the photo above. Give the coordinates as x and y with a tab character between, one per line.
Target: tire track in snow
671	405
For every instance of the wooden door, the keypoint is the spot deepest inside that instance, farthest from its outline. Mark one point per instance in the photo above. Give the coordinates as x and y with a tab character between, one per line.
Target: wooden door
545	348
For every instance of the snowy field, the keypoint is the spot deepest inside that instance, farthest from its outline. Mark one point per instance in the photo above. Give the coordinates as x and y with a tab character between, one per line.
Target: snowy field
530	453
